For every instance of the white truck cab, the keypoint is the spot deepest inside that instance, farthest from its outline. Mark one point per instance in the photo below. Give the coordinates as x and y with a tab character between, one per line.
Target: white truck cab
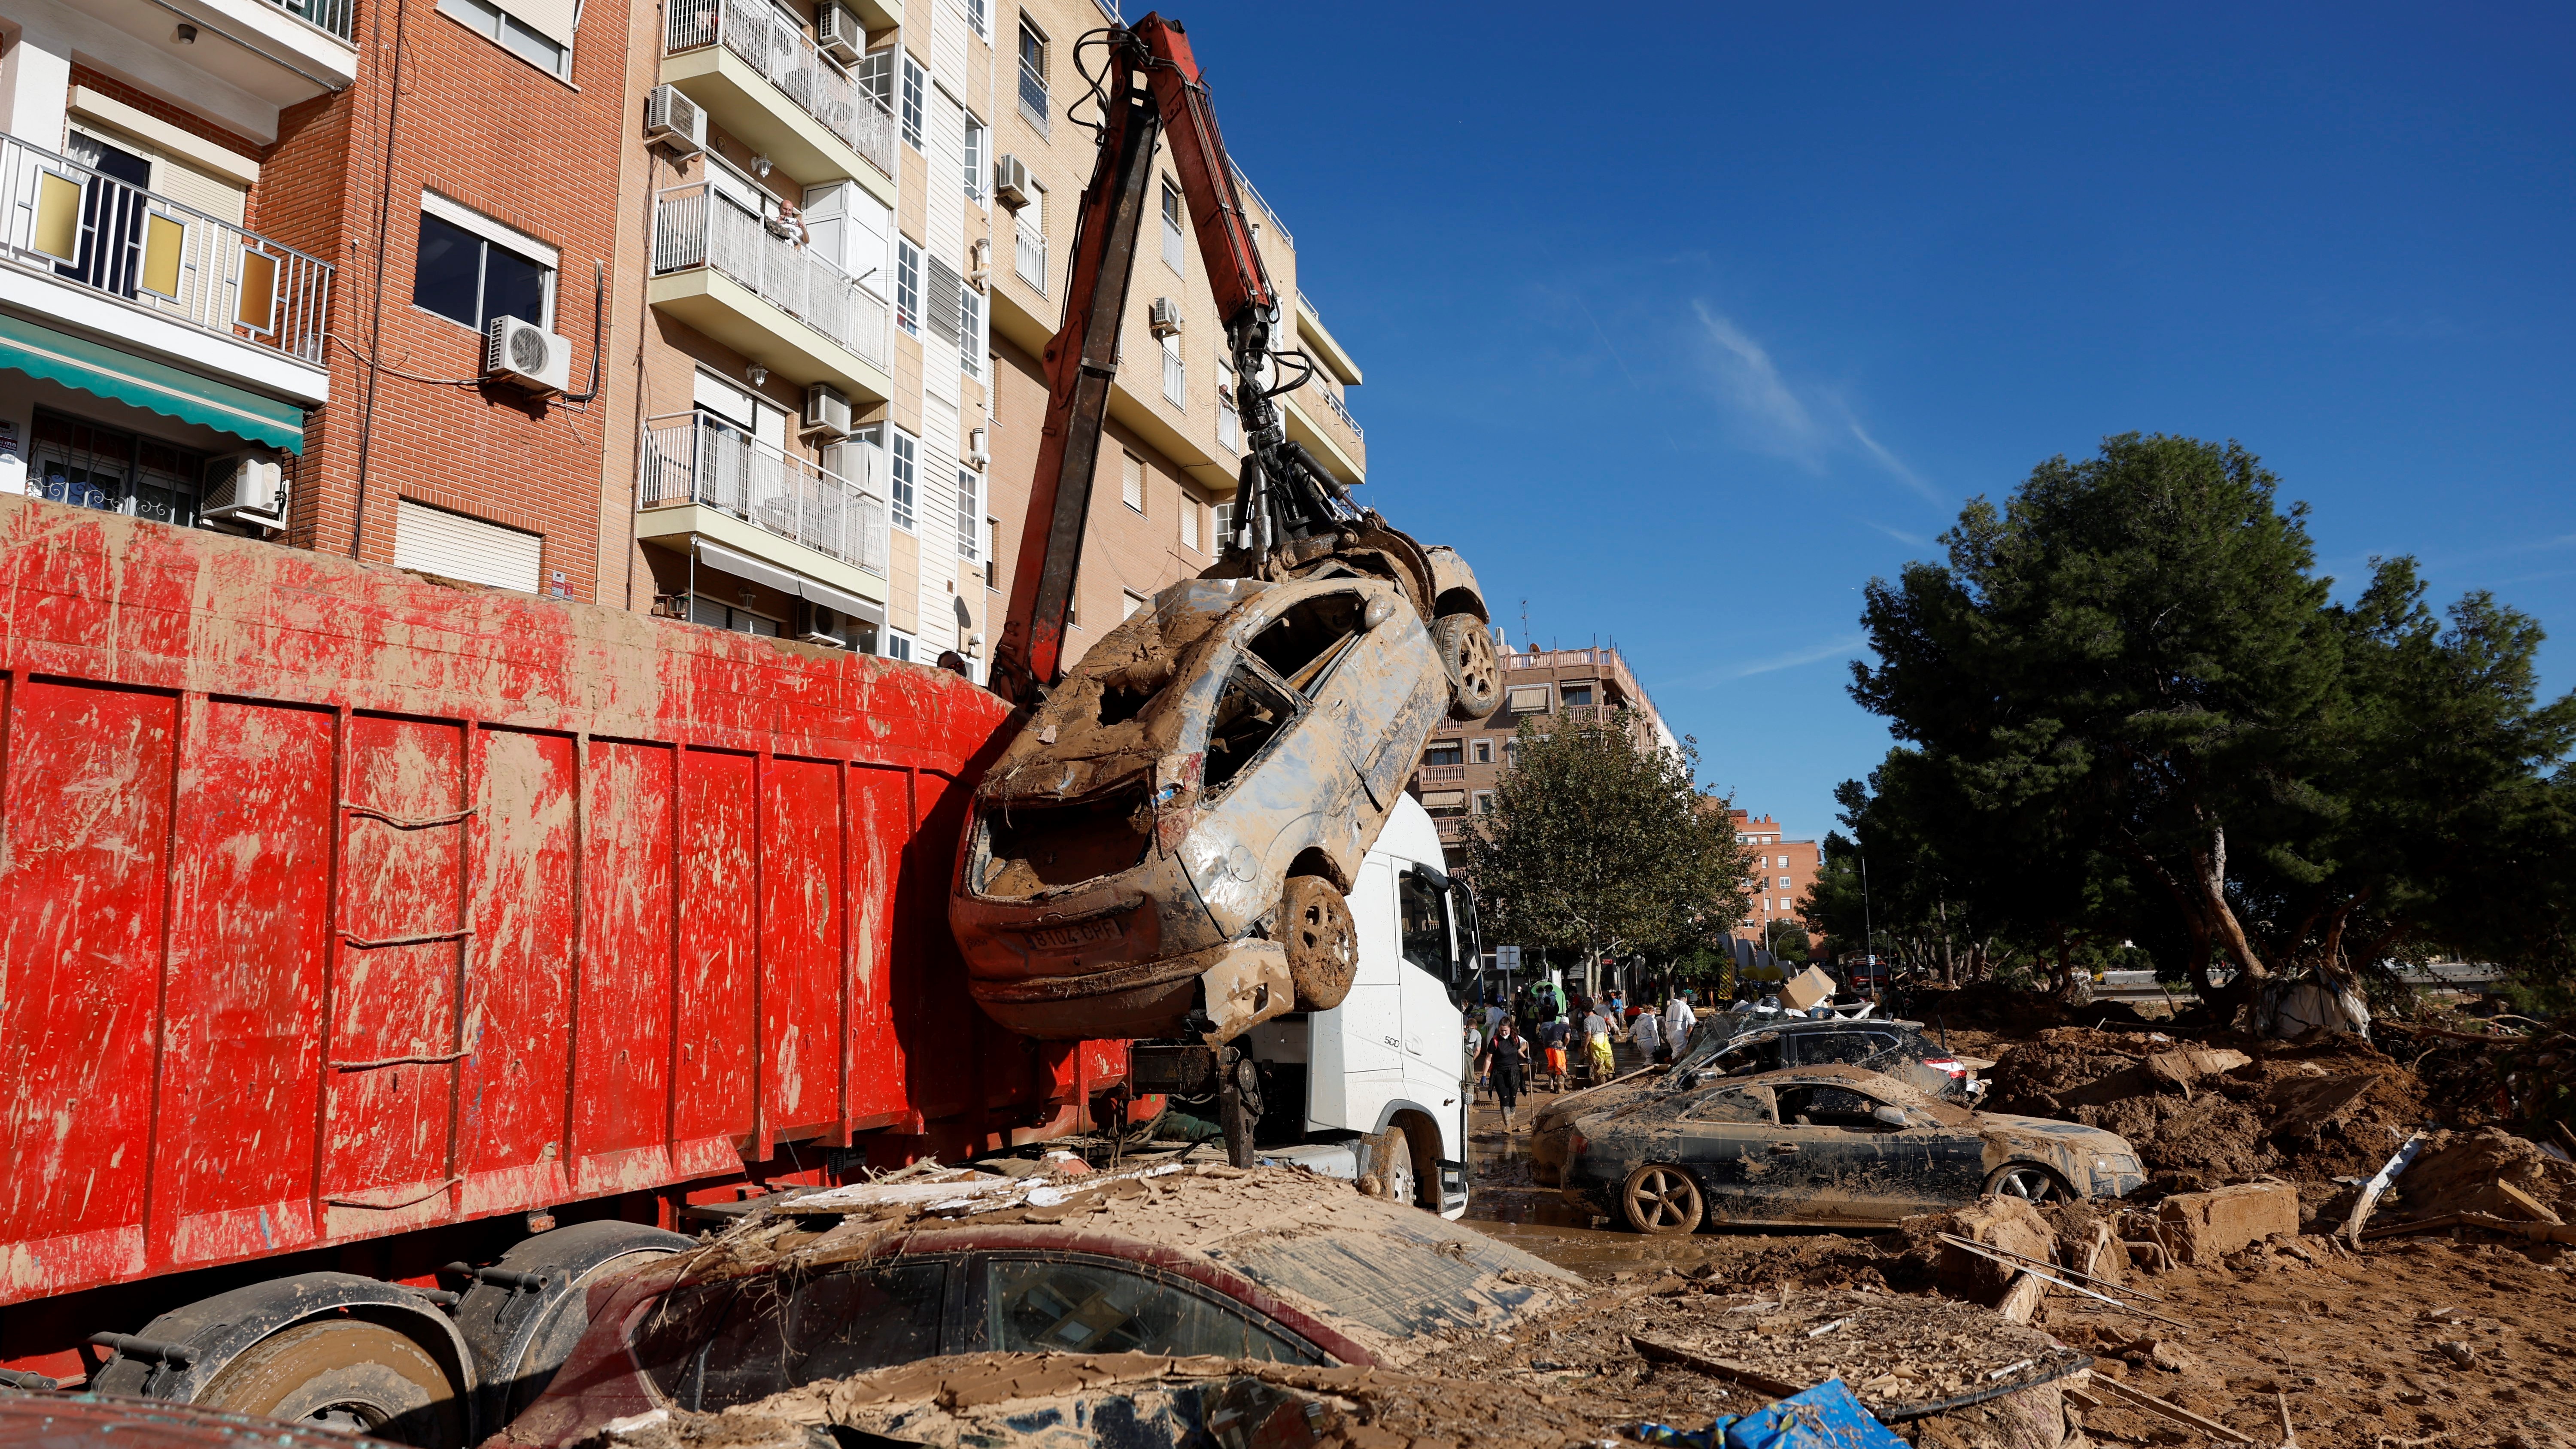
1376	1089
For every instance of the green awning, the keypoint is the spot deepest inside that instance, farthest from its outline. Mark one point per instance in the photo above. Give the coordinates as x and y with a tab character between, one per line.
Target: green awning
157	387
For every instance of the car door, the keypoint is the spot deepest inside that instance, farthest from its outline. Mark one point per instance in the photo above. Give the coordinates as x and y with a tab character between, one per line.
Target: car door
1725	1134
1825	1159
1083	1303
1881	1171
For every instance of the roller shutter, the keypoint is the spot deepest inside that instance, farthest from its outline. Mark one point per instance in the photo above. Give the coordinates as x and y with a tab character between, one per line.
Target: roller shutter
453	546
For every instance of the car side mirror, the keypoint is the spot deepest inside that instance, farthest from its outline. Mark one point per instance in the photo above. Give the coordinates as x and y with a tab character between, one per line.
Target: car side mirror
1892	1116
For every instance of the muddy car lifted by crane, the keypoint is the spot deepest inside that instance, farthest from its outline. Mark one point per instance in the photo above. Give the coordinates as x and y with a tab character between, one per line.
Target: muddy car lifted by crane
1166	848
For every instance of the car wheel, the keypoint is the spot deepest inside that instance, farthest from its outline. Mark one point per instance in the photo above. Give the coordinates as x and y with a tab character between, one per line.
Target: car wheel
1661	1200
2029	1182
345	1374
1323	944
1467	656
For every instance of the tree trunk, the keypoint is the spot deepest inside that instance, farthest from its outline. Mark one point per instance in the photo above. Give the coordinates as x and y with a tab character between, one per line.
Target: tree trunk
2061	972
2209	878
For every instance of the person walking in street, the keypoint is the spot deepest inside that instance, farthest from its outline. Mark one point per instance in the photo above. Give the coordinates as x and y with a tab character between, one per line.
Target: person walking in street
1505	1055
1475	1050
1647	1033
1596	1044
1679	1020
1552	1035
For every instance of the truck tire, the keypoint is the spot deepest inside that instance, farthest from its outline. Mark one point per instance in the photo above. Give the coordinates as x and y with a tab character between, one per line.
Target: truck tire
520	1337
1467	657
347	1374
1391	1163
1323	943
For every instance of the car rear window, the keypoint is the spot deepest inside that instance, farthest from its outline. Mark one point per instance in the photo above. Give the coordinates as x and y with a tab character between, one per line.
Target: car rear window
1847	1047
735	1340
1051	1305
1399	1281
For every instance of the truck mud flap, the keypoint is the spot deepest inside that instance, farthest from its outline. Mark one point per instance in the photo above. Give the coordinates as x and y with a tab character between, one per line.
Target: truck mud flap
1453	1187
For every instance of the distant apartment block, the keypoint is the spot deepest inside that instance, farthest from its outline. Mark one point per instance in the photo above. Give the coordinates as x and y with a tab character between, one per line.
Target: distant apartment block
1783	869
1462	764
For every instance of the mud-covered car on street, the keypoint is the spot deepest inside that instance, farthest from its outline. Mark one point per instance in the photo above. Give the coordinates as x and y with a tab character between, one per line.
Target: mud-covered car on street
1825	1146
1737	1044
1166	844
1269	1264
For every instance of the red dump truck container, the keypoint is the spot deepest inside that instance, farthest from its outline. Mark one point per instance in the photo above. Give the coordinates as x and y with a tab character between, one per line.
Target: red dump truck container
339	905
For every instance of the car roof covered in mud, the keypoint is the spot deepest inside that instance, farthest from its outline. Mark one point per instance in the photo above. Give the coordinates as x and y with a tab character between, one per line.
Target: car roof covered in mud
1385	1275
1891	1090
1126	704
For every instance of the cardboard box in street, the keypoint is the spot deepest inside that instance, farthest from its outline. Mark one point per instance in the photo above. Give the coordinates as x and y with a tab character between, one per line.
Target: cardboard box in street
1809	988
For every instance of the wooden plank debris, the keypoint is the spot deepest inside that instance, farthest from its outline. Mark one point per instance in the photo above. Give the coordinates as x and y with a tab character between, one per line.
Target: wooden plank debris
2141	1399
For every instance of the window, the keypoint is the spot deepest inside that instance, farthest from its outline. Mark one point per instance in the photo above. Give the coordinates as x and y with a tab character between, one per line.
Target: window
898	646
1845	1048
1224	519
979	14
903	455
972	153
717	614
1577	696
732	1341
1033	76
1441	752
1484	752
1423	919
1176	379
549	53
1309	636
1526	699
1734	1104
1131	480
1132	602
453	546
1229	428
1249	712
89	466
1189	522
1481	803
1051	1305
970	506
1172	227
915	82
1444	804
907	286
469	278
875	73
970	332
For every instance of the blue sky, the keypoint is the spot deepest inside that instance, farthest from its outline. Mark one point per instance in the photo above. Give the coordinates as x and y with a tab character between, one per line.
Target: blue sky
1682	322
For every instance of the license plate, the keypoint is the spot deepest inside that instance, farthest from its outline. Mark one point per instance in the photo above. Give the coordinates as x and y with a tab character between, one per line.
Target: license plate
1065	938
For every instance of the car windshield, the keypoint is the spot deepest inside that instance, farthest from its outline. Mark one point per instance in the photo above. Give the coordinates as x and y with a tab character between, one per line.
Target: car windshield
1084	1305
735	1340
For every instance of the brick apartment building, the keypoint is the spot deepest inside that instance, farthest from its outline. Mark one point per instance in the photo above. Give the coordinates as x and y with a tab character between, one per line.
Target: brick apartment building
253	252
1783	870
1461	764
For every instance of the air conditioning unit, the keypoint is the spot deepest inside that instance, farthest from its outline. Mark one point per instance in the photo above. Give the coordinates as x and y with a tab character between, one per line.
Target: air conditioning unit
1165	317
246	488
672	119
528	355
826	411
1012	183
816	624
840	33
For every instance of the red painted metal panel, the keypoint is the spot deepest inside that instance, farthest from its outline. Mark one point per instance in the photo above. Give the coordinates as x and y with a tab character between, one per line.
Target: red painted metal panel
719	945
519	995
622	1076
800	941
685	844
81	886
250	919
389	1082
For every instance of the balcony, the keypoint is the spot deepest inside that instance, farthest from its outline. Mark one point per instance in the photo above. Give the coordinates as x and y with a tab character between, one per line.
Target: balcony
694	467
721	270
1441	774
1033	100
761	78
1029	258
159	275
1333	403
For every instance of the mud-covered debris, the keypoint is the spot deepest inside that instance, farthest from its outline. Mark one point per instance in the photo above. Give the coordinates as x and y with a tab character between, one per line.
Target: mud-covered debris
2468	1172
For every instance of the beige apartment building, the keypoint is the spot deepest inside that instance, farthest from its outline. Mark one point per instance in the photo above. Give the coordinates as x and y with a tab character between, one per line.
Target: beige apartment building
856	258
1461	764
1783	869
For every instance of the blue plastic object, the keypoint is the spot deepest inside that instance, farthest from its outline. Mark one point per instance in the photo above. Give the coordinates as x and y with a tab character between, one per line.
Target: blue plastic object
1824	1417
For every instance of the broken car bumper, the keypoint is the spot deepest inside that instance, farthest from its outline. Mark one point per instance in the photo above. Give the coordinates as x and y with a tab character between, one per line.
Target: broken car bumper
1239	984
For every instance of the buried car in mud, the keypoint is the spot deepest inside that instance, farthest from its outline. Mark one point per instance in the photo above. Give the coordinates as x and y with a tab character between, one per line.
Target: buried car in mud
1268	1264
1166	844
1743	1043
1825	1146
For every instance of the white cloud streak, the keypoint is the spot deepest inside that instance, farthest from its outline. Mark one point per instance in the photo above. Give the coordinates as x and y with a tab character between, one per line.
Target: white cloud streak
1827	650
1785	422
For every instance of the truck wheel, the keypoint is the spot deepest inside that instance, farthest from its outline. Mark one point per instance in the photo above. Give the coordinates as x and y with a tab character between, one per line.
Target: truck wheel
346	1374
1323	944
521	1337
1661	1200
1467	657
1391	1161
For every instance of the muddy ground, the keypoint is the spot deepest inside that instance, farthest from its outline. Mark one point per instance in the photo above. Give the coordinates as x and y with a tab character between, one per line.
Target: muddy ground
2440	1339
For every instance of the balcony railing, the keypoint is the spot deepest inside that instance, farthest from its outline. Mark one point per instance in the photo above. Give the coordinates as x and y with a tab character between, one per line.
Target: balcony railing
1333	400
1033	100
690	458
331	15
86	228
778	48
1028	257
693	227
1443	774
